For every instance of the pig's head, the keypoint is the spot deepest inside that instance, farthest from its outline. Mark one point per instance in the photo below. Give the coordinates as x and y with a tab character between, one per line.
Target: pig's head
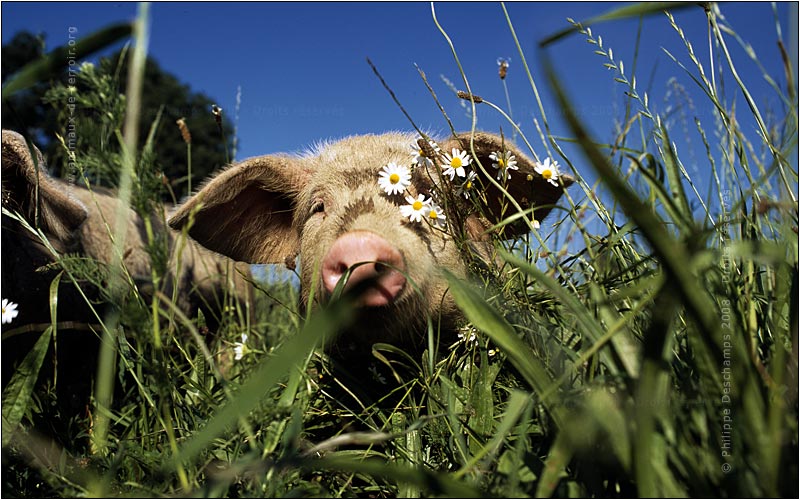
327	206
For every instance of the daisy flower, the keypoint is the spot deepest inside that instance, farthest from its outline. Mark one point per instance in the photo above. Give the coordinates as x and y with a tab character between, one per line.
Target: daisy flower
503	162
9	311
548	170
468	336
467	186
435	214
419	157
394	178
240	348
456	163
416	208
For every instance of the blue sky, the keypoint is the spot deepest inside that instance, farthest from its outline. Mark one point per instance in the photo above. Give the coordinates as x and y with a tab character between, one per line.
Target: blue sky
303	76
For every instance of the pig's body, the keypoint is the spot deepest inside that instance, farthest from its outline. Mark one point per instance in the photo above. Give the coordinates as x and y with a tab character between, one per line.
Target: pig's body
80	222
328	207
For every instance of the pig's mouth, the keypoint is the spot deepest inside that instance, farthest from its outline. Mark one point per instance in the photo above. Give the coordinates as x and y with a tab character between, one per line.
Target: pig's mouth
372	267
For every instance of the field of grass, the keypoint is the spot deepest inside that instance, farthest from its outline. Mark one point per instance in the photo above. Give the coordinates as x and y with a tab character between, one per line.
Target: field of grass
645	346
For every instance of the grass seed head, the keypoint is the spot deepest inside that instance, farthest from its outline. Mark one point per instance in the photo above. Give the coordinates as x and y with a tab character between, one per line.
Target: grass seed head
187	136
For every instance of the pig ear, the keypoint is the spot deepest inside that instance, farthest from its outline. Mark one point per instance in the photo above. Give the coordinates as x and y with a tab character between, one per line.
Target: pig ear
29	190
246	211
536	192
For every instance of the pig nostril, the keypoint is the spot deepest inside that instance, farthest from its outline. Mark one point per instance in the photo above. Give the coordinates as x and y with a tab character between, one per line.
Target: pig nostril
368	261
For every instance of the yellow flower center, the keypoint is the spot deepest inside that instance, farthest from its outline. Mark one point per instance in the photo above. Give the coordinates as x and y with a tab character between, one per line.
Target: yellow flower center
468	185
417	205
433	215
547	173
501	163
456	162
394	178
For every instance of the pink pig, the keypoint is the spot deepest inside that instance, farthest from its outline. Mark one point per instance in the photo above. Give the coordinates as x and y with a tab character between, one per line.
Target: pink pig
328	207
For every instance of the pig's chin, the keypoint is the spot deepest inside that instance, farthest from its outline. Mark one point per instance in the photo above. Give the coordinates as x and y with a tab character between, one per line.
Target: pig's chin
377	297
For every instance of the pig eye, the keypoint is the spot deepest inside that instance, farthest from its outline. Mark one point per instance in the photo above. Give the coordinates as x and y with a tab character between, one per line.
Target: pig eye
317	207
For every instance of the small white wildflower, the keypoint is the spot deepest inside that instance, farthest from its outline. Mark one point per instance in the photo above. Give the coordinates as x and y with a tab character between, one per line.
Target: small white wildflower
435	214
419	158
394	178
468	185
456	163
415	209
240	348
492	352
548	170
535	224
472	338
503	162
9	311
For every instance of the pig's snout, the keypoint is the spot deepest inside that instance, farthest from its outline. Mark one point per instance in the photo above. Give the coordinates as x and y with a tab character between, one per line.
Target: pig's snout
382	265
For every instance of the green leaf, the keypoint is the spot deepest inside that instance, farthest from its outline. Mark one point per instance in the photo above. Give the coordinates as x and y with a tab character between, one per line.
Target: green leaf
17	395
590	326
321	328
490	322
673	254
429	482
482	401
517	402
560	454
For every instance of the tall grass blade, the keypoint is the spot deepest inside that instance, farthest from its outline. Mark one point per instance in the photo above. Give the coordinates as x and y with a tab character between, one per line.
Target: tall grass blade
591	328
18	392
321	328
433	483
107	357
490	322
633	10
674	255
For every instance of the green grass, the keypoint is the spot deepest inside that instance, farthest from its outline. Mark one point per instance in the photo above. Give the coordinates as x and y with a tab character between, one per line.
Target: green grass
646	347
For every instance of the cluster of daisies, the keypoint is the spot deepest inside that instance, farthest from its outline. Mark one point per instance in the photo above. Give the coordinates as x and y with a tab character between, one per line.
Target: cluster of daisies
394	179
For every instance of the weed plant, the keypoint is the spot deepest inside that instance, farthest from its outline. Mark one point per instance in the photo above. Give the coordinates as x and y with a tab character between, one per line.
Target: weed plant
646	346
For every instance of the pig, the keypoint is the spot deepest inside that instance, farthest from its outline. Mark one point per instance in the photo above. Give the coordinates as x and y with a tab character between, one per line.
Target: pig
74	220
326	206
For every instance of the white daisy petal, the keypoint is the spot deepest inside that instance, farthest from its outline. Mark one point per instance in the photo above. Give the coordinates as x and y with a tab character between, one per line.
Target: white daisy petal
503	162
548	170
9	311
467	186
394	178
419	158
415	209
455	163
436	216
